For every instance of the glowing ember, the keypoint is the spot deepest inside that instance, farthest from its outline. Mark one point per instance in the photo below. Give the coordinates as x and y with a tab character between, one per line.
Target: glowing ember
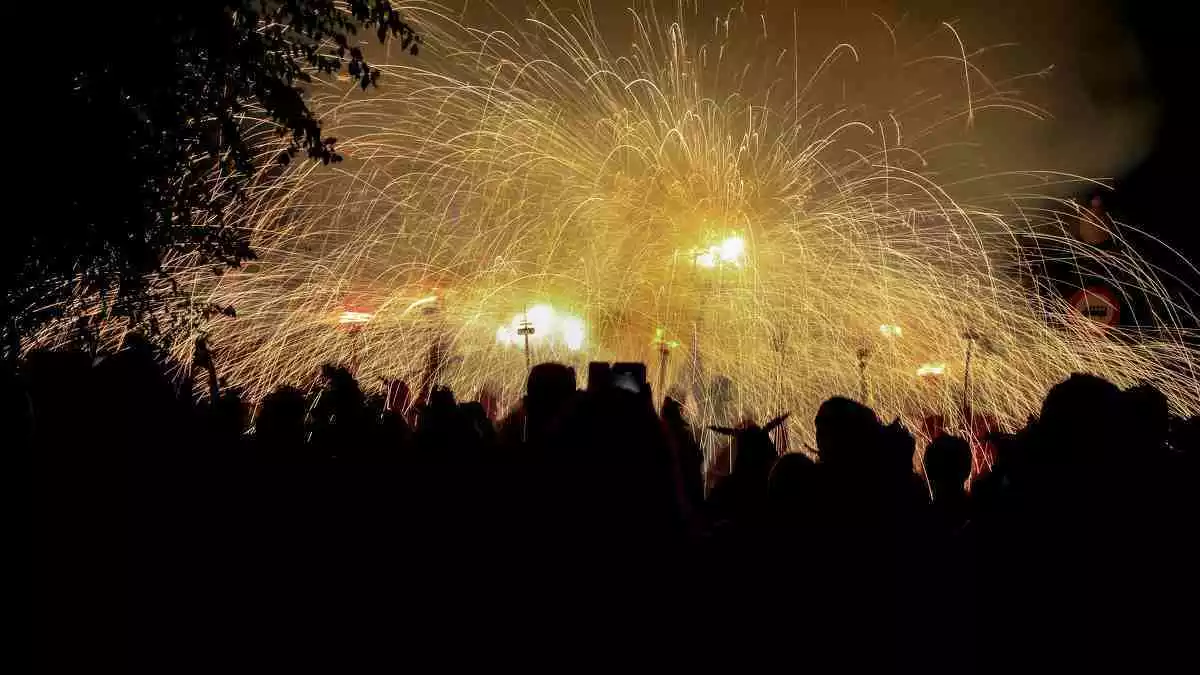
354	317
927	369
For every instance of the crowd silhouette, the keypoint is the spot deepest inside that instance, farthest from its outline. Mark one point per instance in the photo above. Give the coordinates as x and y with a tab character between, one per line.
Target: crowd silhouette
179	536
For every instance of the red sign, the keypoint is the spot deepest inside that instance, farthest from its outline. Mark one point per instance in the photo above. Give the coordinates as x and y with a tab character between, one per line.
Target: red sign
1099	304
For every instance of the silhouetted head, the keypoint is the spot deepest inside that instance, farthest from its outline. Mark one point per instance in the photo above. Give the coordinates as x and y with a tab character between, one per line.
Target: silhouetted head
229	415
342	394
137	395
1148	415
54	384
845	428
281	417
338	377
1186	435
947	463
549	386
794	483
672	411
1082	413
55	370
475	417
442	398
754	451
137	343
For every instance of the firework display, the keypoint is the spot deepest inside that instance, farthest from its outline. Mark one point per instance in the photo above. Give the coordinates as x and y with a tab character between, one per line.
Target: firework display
685	194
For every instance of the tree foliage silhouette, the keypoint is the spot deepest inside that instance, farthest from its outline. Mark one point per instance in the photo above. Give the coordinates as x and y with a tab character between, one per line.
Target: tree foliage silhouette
148	143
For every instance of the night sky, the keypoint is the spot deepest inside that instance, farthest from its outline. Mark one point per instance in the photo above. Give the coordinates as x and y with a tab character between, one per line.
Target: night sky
1156	191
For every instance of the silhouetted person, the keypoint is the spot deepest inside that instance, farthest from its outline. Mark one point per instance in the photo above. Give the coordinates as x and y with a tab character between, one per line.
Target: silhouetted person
441	429
482	432
226	420
549	392
1062	536
944	606
689	456
742	497
338	417
1063	555
794	494
1068	432
1186	438
847	433
54	396
867	523
947	466
279	427
1148	415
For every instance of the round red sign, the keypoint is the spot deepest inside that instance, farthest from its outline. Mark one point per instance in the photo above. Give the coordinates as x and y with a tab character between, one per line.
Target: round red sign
1099	304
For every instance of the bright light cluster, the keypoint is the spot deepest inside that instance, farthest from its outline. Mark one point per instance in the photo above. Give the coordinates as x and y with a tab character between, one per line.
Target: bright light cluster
729	252
931	369
354	318
550	328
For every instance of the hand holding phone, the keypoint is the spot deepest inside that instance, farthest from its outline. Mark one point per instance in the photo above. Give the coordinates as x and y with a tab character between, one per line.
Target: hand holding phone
629	376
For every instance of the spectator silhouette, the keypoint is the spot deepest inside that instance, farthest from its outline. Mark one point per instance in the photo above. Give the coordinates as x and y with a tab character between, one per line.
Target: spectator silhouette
226	422
687	451
1046	558
741	498
947	465
481	433
1148	416
338	416
1067	431
1186	437
279	427
847	433
438	424
794	494
549	392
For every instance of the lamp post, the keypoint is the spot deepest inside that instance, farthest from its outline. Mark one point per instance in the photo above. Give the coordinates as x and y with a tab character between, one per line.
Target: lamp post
864	353
664	355
971	336
888	333
433	324
525	329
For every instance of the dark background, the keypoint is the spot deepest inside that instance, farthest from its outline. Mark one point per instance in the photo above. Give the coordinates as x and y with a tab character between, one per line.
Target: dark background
1157	192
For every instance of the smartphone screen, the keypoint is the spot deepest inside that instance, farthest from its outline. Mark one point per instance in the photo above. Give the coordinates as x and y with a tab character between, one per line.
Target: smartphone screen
629	376
627	381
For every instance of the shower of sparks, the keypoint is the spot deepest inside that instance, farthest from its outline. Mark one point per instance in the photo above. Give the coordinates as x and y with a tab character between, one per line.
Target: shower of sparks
538	173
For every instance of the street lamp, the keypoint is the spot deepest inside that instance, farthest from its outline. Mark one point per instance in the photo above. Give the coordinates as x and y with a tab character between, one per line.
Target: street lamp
863	354
974	339
525	329
664	352
888	331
